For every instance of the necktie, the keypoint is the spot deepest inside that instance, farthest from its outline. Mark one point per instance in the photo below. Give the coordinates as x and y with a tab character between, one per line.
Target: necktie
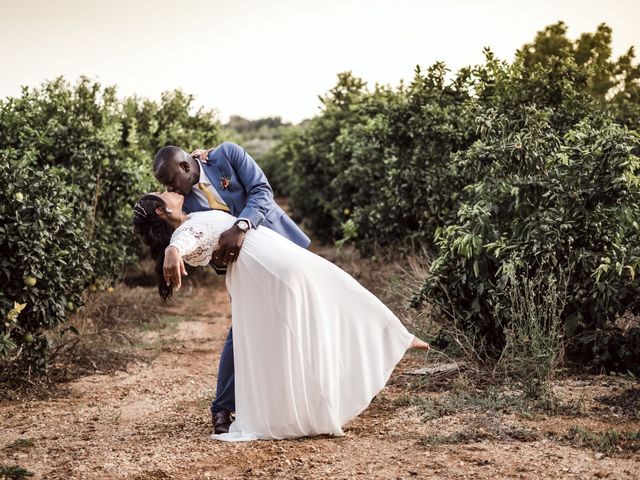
213	203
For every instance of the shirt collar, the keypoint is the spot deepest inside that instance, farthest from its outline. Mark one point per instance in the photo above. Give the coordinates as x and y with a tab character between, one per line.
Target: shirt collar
203	176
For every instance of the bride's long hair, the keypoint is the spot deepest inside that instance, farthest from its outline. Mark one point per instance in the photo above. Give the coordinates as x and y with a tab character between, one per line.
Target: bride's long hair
156	233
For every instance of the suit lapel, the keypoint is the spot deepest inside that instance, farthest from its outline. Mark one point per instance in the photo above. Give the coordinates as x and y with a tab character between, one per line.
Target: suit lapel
215	176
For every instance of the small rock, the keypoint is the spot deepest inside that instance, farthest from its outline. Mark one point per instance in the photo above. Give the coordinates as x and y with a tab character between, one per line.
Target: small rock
599	456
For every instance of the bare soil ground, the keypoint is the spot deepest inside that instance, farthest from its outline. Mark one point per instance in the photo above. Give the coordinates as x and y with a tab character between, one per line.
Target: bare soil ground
150	419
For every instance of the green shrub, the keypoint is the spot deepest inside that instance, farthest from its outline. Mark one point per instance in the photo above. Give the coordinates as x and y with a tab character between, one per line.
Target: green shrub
148	126
546	199
377	162
374	167
316	163
613	84
526	161
102	148
77	132
399	186
44	256
277	162
76	158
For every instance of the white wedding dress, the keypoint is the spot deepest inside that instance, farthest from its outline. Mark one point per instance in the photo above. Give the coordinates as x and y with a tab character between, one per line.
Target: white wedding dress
311	346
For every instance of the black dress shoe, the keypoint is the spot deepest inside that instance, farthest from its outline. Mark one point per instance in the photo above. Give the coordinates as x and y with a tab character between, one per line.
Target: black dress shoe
221	421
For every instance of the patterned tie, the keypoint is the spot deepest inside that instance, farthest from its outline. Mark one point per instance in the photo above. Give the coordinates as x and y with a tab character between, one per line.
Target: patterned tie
213	203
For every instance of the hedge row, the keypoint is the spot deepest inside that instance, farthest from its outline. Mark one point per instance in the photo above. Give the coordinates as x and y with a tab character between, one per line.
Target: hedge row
529	164
73	159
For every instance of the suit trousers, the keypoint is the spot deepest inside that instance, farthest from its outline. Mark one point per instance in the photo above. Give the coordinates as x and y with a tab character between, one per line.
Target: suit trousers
225	389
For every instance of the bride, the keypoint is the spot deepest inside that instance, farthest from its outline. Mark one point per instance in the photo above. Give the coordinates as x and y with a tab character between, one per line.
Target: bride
312	347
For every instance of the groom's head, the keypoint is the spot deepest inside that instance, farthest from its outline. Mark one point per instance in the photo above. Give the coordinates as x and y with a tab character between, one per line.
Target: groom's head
176	169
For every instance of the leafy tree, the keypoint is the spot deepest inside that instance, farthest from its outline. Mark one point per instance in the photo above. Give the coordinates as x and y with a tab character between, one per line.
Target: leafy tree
529	164
315	162
399	184
79	158
613	83
149	126
564	205
44	255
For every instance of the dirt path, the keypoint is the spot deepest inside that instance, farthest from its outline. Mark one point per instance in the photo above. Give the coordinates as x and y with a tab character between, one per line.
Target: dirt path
152	422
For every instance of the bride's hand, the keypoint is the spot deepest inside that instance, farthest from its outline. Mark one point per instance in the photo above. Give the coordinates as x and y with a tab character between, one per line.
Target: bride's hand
173	267
201	154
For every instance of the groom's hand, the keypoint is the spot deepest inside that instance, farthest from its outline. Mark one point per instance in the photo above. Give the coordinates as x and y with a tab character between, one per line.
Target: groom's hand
228	246
173	267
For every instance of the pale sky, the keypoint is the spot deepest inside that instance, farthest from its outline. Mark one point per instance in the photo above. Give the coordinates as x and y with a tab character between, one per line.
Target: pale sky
274	57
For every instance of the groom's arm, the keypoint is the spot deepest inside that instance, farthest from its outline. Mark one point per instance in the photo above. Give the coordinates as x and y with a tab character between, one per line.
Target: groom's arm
254	182
219	269
259	198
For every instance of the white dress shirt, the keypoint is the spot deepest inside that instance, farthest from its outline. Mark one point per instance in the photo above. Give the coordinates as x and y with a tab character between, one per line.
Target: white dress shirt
207	183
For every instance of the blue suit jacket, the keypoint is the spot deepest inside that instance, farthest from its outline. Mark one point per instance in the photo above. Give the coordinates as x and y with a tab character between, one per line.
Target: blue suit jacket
248	194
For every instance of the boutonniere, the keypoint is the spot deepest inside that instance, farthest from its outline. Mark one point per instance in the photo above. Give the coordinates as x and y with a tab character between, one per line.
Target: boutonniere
225	182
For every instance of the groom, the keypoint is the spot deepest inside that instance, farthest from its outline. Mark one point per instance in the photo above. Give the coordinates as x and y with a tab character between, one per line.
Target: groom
226	178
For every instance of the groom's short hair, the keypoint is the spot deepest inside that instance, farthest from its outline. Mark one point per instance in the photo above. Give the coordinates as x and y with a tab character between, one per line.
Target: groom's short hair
167	153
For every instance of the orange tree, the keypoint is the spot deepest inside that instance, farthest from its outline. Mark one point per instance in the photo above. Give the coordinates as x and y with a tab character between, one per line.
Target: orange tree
554	188
397	185
44	255
558	205
314	161
505	161
88	155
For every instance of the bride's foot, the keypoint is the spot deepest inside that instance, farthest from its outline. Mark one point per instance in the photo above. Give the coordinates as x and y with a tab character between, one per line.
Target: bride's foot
417	343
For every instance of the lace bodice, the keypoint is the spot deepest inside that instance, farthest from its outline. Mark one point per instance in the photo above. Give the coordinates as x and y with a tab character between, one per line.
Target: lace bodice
197	238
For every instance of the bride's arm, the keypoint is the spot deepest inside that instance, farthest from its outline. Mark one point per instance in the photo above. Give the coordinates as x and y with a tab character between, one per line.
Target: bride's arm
184	244
173	267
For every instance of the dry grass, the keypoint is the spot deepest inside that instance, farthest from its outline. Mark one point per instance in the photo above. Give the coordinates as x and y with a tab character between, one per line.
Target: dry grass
153	421
107	330
110	326
107	326
609	441
485	426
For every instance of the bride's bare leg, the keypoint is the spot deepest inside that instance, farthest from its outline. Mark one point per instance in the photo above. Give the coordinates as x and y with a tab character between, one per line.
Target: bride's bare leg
417	343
